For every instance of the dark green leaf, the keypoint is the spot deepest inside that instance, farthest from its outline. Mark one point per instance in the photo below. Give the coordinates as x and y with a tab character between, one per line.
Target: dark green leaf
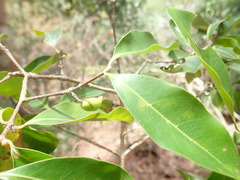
41	63
39	140
67	169
138	42
72	112
177	121
26	156
237	100
6	88
228	24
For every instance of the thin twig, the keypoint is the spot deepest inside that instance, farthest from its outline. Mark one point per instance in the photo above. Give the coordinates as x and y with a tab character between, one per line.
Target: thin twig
54	77
136	144
9	54
86	139
66	91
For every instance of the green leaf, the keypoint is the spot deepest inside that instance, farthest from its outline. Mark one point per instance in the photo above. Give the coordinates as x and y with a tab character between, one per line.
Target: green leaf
177	121
216	176
39	103
3	36
39	140
27	156
186	176
228	24
84	92
39	33
217	100
236	138
68	168
52	37
236	95
234	66
6	88
210	59
227	53
71	112
191	65
211	29
191	76
177	55
16	138
138	42
200	23
39	64
229	41
177	33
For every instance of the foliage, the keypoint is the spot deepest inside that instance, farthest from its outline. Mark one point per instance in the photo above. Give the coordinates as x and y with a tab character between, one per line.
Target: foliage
171	116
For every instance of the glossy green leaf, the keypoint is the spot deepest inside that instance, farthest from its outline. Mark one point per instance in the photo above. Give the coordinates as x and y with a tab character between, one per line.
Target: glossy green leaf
186	176
210	59
3	36
41	63
227	53
71	112
177	121
84	92
26	156
6	88
229	41
39	140
66	169
216	176
138	42
211	29
52	37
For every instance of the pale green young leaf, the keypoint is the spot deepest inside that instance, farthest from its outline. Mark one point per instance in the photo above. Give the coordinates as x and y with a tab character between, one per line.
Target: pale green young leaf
52	37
